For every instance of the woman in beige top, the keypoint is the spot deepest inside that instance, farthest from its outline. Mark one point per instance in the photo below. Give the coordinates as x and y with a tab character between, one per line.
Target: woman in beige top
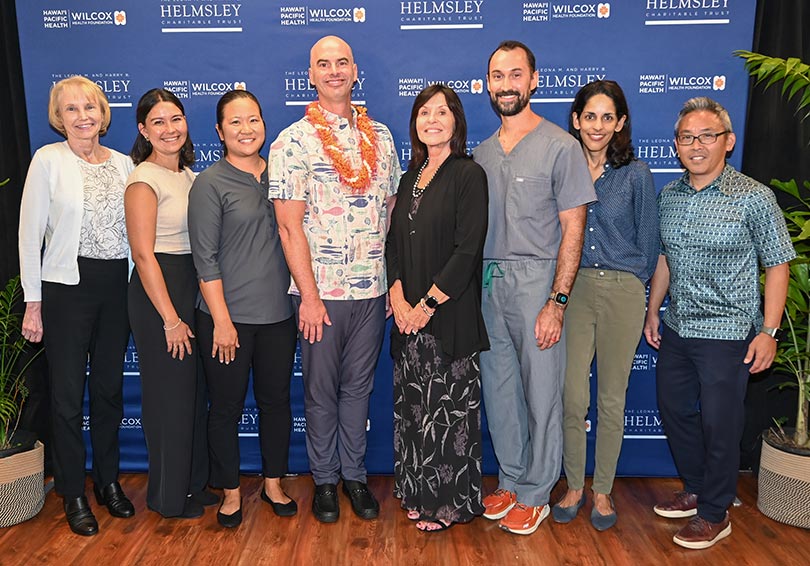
162	293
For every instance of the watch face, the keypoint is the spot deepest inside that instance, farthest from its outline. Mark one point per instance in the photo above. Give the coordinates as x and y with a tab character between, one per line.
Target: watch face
561	298
431	302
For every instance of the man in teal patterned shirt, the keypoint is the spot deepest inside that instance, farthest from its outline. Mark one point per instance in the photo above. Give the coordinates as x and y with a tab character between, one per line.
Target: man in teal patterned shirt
717	227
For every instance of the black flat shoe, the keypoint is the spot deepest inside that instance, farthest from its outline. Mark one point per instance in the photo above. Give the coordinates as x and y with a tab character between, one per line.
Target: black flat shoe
325	505
113	497
281	509
230	521
364	504
80	517
205	498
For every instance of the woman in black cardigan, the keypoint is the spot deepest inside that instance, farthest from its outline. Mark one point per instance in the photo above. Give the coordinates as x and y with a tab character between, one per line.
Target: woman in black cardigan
434	256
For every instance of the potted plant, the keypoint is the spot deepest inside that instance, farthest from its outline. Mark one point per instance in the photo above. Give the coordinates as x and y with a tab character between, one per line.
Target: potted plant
21	459
784	476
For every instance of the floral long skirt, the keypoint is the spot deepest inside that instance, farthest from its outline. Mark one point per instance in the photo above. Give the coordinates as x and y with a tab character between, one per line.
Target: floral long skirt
437	431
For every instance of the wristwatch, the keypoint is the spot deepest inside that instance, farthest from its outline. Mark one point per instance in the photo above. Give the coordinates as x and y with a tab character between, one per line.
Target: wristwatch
560	299
769	331
431	302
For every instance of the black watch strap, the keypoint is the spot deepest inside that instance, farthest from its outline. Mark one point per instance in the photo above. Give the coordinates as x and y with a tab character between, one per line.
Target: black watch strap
431	302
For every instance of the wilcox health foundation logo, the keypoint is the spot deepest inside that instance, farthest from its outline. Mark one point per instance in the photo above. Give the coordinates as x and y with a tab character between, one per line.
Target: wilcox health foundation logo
187	89
60	18
660	83
412	86
303	15
579	10
686	12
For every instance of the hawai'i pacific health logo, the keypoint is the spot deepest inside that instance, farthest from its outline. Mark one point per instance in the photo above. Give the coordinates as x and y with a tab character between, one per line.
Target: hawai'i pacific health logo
61	18
412	86
298	91
116	85
304	15
456	14
659	83
200	16
686	12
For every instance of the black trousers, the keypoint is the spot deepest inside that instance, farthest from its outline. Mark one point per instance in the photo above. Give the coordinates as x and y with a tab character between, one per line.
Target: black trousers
173	392
88	318
701	387
269	349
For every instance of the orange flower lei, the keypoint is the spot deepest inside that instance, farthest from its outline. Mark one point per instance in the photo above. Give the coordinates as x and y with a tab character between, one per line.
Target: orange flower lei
358	181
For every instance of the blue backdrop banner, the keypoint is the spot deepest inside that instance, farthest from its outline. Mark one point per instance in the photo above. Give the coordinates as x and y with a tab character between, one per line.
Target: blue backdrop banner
661	52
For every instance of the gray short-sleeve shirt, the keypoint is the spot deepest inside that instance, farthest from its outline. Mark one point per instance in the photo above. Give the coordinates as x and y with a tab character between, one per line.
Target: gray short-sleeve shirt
234	237
545	173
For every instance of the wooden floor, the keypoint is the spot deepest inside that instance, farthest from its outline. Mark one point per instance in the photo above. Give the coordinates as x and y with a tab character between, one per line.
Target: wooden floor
639	538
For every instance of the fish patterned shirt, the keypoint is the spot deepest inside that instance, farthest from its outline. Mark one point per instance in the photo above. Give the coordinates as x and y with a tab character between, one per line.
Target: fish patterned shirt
346	233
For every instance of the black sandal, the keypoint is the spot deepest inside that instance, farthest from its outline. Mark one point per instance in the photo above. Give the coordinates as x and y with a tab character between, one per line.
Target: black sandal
429	521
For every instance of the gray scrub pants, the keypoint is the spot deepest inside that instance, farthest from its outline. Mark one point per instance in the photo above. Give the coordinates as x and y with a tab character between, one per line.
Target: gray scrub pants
522	384
338	380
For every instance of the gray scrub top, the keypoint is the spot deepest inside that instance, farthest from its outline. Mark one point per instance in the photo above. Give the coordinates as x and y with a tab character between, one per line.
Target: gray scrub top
545	173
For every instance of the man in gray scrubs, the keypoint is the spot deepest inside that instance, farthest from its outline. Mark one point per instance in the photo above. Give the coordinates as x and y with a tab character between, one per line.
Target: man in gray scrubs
539	185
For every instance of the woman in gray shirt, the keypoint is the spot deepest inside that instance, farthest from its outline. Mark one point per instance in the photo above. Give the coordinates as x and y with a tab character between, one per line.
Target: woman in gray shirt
244	317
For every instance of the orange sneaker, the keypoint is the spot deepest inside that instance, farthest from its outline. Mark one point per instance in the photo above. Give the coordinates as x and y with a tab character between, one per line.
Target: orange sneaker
498	504
523	519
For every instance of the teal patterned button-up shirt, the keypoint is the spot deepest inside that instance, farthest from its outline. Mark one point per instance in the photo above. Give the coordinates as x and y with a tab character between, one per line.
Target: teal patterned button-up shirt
714	240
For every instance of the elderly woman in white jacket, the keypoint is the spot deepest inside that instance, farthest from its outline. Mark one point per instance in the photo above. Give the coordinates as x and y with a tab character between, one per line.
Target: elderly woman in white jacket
74	267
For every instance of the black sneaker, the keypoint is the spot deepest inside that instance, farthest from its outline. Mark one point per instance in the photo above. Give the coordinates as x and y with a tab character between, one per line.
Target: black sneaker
325	503
364	504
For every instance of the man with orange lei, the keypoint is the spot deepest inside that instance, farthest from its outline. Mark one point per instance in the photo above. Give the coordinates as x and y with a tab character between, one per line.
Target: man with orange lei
333	177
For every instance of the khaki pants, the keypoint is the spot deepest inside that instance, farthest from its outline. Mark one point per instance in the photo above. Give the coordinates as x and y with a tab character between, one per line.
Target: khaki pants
606	316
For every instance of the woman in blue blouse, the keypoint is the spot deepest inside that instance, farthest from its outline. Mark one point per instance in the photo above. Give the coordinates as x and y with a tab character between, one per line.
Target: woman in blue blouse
607	305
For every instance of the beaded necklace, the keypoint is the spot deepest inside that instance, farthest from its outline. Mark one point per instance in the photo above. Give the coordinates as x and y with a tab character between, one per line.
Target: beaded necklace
417	192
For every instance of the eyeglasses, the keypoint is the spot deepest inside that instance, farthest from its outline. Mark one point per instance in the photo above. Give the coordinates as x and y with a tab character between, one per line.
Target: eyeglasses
705	139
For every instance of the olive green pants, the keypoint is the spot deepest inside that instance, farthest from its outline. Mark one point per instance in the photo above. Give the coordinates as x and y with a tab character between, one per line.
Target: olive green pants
605	316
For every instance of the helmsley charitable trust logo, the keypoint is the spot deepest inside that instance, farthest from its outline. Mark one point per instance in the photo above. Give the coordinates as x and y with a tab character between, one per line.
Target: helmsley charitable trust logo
306	15
659	153
683	12
116	86
298	91
206	153
562	83
64	18
659	83
441	14
412	86
200	16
